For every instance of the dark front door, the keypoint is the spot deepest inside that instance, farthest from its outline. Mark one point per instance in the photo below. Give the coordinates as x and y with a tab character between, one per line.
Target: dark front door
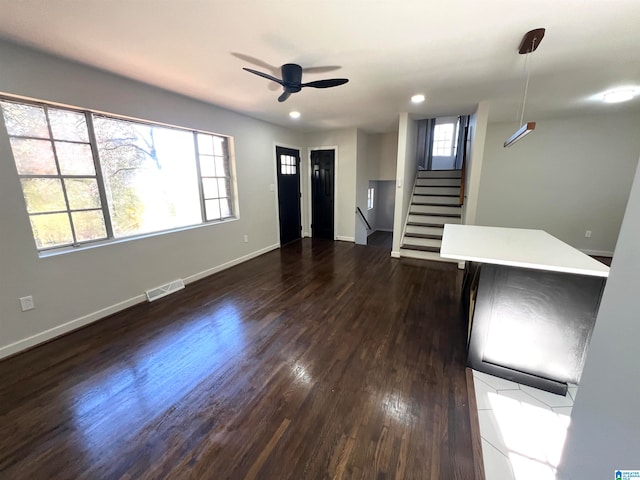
322	189
288	167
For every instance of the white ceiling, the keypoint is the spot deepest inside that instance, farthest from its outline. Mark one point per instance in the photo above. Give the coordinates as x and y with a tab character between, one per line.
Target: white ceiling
457	52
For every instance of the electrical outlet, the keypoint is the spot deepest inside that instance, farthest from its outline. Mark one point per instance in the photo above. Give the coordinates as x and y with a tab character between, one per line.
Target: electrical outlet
587	234
26	303
246	239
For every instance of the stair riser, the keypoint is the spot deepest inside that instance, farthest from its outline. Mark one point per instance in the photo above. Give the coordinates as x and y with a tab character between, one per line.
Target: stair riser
433	219
425	230
430	199
429	182
435	209
437	190
439	173
424	242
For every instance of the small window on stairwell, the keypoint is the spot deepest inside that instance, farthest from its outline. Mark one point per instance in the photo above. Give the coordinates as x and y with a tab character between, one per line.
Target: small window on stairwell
288	165
444	140
370	194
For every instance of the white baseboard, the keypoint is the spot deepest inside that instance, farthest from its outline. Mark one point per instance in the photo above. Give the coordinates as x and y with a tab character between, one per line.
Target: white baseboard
232	263
65	328
597	253
60	330
395	254
345	239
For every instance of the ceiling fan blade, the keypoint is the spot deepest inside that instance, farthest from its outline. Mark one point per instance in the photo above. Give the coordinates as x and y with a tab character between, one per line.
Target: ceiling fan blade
264	75
257	62
284	96
325	69
331	82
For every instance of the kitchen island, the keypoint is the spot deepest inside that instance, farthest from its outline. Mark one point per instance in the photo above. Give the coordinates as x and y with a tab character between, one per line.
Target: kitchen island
531	301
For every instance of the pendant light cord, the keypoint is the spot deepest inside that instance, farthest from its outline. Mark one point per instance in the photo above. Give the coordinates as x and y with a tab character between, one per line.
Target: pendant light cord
526	85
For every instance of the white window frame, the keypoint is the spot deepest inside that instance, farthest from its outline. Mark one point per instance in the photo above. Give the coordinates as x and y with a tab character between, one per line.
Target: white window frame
110	237
370	197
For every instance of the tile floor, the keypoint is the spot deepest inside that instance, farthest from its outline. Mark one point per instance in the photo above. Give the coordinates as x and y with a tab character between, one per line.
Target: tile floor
522	428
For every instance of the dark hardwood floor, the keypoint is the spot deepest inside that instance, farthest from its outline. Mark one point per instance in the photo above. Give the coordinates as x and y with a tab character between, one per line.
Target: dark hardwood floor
320	360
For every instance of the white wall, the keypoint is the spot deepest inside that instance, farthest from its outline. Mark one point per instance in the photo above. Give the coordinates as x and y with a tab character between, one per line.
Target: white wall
366	160
478	131
388	156
75	288
568	176
345	177
407	167
604	434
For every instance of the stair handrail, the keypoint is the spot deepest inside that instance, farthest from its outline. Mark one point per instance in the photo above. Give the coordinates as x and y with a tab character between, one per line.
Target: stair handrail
363	218
463	168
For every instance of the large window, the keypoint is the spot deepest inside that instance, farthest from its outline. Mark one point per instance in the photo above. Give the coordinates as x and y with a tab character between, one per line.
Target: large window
88	177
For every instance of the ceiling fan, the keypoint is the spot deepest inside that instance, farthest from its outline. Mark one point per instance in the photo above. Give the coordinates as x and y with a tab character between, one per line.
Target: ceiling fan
292	80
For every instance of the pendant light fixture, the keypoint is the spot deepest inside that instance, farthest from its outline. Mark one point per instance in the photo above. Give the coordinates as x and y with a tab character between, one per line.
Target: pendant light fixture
529	43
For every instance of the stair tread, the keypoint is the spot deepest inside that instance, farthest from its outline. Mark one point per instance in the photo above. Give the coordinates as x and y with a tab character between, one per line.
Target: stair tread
436	204
420	224
423	235
453	215
436	195
422	248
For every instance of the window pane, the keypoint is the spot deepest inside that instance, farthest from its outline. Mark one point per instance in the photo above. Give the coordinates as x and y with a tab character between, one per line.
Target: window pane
224	187
25	120
33	157
82	193
225	207
75	158
205	145
210	187
149	174
221	170
67	125
207	166
51	230
89	225
213	209
218	146
43	194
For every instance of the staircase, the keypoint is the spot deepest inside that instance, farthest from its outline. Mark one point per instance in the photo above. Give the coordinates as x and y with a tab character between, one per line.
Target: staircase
435	201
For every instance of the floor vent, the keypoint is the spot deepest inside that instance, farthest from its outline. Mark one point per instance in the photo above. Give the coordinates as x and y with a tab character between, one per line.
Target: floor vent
164	290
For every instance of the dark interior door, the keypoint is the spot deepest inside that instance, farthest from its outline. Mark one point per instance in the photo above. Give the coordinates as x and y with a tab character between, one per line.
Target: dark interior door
322	193
288	167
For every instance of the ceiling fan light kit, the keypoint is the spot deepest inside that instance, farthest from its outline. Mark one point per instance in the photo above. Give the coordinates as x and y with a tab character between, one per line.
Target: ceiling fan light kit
529	44
292	80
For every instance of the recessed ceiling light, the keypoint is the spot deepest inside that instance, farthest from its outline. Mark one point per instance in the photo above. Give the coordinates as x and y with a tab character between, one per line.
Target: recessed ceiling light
294	114
419	98
617	96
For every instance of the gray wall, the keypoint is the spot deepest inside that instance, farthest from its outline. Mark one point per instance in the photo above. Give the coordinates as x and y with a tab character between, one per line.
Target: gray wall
384	204
604	434
79	287
568	176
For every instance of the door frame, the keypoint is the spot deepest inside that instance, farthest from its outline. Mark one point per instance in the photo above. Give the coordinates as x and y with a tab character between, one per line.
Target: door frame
335	190
277	192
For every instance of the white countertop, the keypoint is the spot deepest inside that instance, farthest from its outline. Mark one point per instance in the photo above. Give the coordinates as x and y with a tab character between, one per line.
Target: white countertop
517	247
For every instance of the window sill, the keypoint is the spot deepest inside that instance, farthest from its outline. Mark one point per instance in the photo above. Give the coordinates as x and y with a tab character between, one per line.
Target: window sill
104	243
